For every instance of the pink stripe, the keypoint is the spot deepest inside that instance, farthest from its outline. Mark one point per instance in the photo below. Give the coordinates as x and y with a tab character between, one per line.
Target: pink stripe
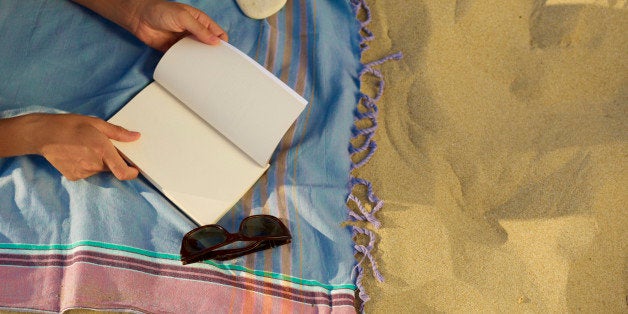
86	285
180	272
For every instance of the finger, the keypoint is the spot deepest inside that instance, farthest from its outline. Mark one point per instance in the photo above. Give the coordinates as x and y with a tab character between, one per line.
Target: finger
94	165
118	166
197	29
78	174
221	33
70	174
202	26
213	27
115	132
72	177
76	168
84	175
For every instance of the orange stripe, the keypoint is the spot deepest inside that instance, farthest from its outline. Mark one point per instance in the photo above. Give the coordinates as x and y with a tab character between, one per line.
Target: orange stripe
232	300
259	43
247	205
286	141
271	53
272	43
289	307
303	53
269	64
263	191
304	58
267	300
287	48
248	199
269	61
248	306
268	256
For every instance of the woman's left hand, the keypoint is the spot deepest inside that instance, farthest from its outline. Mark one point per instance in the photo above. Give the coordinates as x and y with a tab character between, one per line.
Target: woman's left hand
159	23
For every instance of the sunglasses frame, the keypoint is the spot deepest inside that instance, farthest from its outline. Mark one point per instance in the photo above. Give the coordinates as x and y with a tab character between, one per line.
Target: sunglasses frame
259	243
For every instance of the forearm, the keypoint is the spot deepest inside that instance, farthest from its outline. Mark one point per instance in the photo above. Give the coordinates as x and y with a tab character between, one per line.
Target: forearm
78	146
17	136
158	23
121	12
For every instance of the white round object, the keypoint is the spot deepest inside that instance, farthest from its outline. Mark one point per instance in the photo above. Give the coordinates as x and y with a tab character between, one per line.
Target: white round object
260	9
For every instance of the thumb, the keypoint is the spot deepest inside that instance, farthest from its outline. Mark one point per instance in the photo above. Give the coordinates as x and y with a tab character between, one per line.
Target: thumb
116	132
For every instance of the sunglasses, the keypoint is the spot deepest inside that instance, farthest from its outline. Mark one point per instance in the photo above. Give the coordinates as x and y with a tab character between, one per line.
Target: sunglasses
257	232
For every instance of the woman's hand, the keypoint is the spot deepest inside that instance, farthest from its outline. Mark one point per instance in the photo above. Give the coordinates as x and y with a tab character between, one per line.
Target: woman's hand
78	146
158	23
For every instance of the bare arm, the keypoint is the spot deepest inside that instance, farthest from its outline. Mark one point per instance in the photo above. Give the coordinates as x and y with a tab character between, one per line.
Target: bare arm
78	146
158	23
14	136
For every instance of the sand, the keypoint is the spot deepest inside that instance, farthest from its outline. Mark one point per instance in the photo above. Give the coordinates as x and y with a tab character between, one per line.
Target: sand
501	159
502	141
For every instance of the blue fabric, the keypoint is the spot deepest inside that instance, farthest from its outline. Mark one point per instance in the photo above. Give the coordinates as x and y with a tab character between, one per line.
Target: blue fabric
56	56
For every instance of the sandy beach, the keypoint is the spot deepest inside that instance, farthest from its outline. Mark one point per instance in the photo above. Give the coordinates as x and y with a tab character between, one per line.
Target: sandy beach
501	156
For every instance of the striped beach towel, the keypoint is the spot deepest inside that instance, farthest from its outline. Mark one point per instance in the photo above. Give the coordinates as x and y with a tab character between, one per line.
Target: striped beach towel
104	244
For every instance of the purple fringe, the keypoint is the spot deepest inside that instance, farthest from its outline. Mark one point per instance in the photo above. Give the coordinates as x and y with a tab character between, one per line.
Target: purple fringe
366	252
370	146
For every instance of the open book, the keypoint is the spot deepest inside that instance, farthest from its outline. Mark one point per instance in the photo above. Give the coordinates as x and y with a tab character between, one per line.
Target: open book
209	123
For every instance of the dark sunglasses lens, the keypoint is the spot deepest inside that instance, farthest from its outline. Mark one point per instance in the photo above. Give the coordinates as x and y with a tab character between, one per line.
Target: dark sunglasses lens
262	226
204	238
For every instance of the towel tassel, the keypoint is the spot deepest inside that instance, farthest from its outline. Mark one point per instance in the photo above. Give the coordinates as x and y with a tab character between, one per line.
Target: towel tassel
369	146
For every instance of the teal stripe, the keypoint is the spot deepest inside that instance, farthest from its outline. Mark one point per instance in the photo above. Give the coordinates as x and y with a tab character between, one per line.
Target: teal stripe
129	249
103	245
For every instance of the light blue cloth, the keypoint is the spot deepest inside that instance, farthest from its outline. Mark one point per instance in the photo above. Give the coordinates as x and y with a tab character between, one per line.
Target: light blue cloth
56	56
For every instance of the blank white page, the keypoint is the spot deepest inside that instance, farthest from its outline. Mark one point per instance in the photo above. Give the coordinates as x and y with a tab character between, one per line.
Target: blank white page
192	164
233	93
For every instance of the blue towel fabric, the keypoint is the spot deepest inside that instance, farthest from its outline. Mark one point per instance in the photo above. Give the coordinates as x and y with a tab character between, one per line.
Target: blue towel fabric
56	56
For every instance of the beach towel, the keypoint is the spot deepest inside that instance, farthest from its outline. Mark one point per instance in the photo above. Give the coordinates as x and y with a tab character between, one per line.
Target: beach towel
100	243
